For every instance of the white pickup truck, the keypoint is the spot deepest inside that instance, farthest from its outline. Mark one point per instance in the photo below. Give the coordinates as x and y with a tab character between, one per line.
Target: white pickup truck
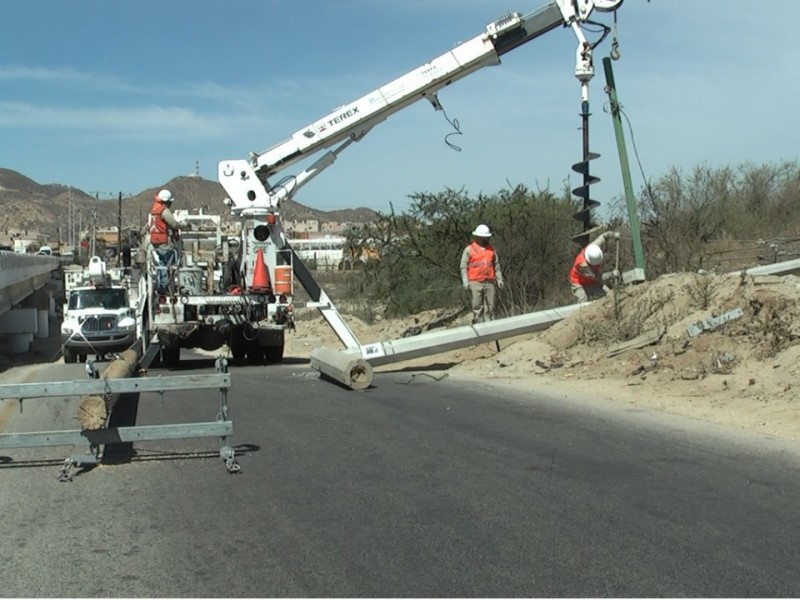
99	313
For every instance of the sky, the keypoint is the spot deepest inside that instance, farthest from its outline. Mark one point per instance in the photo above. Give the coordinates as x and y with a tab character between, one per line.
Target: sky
113	97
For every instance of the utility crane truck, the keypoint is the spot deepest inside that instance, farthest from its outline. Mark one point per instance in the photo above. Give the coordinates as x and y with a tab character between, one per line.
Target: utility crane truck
237	289
256	200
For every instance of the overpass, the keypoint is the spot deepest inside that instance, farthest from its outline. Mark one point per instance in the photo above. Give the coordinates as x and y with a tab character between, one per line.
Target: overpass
26	299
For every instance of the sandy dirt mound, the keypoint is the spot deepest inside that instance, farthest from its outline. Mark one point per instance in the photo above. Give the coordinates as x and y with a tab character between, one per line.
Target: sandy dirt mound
722	348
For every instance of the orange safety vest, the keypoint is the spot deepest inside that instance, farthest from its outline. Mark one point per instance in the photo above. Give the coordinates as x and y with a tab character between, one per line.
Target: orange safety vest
481	263
576	277
158	226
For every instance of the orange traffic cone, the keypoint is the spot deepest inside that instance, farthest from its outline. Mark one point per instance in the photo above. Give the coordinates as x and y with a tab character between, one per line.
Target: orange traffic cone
260	275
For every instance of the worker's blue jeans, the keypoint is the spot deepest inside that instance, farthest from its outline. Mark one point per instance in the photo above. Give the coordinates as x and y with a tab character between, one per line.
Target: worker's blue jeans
167	257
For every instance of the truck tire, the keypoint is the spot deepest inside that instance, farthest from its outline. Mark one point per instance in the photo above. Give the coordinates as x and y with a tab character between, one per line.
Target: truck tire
238	347
255	354
274	354
69	356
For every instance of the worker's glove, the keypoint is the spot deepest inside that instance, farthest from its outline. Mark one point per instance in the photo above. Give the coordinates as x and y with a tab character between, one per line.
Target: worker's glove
615	274
501	284
615	235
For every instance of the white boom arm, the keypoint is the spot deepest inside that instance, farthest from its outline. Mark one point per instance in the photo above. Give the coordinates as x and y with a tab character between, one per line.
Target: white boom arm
246	181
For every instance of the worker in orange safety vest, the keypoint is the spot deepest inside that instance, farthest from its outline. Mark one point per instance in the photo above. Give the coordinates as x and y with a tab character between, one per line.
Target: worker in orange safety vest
481	274
164	230
586	277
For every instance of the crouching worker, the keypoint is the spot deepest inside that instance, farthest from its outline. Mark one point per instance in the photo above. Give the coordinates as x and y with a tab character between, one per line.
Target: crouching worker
586	277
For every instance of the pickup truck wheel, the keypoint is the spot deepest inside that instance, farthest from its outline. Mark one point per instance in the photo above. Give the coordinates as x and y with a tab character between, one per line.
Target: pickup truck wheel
69	356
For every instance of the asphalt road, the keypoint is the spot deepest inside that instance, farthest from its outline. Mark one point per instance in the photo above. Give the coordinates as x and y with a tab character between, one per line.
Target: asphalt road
414	488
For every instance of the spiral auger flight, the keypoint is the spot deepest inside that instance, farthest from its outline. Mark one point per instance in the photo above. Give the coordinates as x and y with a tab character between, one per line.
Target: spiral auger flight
584	214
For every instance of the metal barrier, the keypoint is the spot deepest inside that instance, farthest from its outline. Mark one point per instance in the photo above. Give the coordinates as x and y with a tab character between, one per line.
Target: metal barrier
222	427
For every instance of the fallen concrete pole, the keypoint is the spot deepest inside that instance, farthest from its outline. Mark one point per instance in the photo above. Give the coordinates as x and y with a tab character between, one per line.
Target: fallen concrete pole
787	267
94	410
434	342
345	367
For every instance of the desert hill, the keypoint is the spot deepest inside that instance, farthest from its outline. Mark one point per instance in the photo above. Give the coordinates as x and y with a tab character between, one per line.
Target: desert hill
44	208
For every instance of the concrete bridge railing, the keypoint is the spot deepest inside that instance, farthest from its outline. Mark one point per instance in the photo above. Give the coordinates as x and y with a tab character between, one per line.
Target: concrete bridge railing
16	268
25	302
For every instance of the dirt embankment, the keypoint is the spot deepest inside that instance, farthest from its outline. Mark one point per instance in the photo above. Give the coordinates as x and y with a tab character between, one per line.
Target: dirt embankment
722	348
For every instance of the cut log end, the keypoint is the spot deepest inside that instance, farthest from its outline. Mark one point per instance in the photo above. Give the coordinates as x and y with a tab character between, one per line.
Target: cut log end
94	410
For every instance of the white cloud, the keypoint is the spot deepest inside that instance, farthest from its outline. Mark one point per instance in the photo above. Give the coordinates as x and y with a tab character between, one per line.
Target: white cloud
135	122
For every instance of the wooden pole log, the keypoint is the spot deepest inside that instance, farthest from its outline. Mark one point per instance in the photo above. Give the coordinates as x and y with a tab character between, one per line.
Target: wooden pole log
94	410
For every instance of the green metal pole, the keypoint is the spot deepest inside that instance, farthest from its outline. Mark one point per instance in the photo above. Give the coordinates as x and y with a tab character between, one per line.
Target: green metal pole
630	199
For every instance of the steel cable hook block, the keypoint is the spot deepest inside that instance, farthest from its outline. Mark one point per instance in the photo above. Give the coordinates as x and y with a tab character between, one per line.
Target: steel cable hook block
65	472
228	454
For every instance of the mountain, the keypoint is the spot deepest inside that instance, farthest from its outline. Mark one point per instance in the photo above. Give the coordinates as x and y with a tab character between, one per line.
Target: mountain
33	207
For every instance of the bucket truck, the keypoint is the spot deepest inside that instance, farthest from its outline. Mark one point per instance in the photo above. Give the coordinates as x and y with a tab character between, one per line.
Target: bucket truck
231	289
256	200
99	312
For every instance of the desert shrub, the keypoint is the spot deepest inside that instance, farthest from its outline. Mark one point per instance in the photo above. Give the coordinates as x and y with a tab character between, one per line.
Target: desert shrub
682	215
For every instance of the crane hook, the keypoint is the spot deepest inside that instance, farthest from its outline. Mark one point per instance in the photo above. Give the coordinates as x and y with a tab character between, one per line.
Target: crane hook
615	53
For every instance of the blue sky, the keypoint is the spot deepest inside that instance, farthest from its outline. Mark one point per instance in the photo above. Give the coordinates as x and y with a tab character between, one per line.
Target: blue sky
122	96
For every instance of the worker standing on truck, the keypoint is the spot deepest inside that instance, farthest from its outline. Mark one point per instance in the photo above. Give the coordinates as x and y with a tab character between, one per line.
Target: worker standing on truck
586	277
165	237
480	273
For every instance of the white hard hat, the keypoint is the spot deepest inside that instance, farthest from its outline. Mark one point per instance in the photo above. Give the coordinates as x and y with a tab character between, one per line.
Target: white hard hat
165	196
482	231
593	254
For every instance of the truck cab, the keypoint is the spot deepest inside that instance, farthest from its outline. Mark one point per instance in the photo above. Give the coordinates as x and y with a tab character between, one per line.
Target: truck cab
99	315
